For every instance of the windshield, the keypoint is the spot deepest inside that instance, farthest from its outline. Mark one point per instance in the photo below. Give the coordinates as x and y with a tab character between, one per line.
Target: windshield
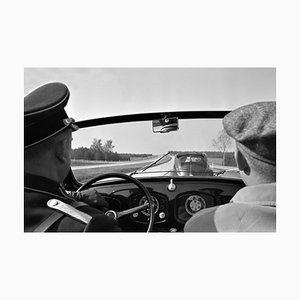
197	148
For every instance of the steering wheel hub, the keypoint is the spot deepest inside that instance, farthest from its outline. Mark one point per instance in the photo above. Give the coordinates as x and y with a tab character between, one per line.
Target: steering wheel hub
148	205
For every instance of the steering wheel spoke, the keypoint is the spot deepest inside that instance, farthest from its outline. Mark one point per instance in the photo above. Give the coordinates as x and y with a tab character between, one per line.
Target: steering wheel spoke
132	210
149	205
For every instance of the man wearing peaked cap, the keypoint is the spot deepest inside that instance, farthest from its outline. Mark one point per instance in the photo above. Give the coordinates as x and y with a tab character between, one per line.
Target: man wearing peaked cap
253	208
47	161
44	114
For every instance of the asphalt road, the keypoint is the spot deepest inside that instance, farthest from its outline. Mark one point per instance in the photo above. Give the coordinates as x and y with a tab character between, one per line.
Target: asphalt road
125	163
161	167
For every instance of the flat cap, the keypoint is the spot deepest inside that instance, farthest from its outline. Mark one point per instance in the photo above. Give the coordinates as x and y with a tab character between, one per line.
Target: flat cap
44	114
253	127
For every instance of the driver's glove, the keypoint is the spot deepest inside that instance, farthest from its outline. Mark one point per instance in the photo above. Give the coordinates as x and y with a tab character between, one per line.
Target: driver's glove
93	198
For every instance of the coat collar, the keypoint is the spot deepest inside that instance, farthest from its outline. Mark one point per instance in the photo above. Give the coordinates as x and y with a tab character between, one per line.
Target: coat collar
262	194
46	186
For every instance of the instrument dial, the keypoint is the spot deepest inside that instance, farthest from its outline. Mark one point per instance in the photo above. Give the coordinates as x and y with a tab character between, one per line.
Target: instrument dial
144	200
194	203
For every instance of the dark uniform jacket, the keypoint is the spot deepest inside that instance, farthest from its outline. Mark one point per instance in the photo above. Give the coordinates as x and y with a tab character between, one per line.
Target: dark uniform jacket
38	190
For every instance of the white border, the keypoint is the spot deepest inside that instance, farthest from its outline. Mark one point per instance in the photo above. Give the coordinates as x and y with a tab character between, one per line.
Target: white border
157	33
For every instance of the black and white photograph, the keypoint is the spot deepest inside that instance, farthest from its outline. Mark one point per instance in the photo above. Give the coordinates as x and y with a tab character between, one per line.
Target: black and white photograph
149	149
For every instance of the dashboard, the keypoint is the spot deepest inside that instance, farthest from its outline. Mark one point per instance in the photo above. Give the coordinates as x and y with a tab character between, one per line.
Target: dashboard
176	199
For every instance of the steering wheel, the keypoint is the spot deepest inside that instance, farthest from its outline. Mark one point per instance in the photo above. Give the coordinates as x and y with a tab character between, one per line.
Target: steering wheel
117	215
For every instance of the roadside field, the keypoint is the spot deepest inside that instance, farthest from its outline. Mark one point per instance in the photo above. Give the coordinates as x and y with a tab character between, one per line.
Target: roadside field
215	160
82	162
82	175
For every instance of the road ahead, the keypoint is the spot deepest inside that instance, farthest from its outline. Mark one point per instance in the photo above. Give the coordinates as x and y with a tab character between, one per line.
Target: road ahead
119	163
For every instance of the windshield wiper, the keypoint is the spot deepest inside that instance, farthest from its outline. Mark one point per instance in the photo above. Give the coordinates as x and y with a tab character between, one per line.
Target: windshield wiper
150	165
221	172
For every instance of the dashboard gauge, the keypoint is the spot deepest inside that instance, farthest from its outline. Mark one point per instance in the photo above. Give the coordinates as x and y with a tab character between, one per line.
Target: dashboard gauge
144	200
194	203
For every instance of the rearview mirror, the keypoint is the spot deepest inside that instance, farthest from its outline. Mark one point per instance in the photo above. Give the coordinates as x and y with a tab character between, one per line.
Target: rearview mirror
165	125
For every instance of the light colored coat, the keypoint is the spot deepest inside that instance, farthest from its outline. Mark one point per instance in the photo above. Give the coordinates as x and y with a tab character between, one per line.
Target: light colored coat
252	209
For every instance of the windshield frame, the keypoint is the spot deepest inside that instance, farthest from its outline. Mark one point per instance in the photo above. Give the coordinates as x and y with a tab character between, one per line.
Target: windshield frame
208	114
212	114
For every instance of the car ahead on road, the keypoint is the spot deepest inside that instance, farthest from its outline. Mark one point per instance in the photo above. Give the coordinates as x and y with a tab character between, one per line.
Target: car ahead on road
177	163
155	170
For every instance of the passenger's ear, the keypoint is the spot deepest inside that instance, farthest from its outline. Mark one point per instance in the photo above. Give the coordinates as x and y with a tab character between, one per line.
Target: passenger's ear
61	151
241	161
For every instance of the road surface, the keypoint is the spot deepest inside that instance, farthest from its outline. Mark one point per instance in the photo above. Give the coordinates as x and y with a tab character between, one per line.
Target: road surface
118	163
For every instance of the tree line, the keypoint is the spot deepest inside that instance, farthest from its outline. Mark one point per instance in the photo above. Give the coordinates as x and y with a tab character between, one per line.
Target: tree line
102	151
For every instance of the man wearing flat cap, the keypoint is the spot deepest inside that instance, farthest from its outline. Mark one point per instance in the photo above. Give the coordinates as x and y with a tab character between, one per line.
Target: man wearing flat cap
253	208
47	161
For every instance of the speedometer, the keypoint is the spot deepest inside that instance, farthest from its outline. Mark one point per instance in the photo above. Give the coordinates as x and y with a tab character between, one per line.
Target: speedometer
144	200
194	203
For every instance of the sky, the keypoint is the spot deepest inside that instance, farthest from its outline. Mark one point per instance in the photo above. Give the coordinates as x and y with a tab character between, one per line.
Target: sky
100	92
97	92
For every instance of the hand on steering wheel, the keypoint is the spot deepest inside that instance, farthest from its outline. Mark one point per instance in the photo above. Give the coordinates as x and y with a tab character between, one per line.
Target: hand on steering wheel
117	215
